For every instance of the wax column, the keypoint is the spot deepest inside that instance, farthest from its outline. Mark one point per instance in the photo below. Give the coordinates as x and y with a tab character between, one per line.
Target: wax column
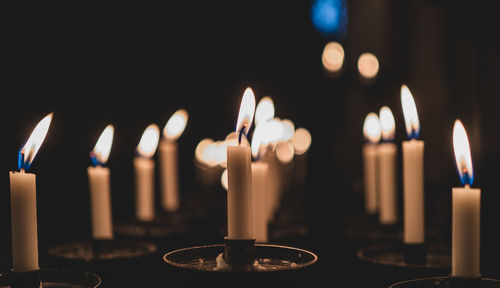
239	195
386	153
144	174
259	186
23	203
169	160
100	195
466	211
413	173
371	131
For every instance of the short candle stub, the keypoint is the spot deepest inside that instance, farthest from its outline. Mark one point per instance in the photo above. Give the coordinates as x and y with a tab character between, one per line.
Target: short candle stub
415	253
239	252
28	279
464	282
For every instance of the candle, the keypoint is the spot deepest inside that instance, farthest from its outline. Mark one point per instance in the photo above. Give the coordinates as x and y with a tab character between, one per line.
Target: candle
100	195
168	160
260	193
386	157
239	194
466	211
144	173
23	203
371	131
413	173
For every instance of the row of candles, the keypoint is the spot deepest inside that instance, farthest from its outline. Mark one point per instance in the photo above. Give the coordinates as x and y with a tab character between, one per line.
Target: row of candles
379	154
246	178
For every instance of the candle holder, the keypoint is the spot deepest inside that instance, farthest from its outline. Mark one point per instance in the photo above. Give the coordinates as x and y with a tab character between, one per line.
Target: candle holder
239	263
50	278
392	262
119	263
448	282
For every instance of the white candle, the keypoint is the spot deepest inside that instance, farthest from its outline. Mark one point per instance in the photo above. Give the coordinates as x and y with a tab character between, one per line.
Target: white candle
371	132
144	174
386	153
239	195
169	160
260	195
23	203
99	185
413	173
466	211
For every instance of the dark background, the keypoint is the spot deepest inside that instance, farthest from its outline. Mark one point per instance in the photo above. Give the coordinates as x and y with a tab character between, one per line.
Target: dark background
132	63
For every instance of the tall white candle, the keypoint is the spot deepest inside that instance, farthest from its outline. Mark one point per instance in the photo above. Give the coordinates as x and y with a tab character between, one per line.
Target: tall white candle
239	195
371	132
169	160
466	211
23	203
99	185
144	174
386	153
413	173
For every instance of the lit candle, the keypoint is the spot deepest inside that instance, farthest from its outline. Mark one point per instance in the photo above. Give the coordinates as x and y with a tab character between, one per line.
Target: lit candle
168	160
386	159
144	173
239	194
413	173
100	195
23	203
466	211
371	132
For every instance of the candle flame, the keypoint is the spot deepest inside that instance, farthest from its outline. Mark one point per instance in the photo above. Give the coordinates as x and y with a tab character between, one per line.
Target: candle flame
149	141
368	65
371	128
176	125
301	141
410	113
200	150
387	124
30	149
245	115
100	154
264	111
288	129
463	157
333	57
285	152
264	134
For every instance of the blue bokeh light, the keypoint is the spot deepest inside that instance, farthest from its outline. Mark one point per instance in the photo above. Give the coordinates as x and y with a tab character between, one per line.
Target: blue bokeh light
329	17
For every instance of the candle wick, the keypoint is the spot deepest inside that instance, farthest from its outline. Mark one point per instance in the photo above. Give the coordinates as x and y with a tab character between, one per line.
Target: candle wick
241	134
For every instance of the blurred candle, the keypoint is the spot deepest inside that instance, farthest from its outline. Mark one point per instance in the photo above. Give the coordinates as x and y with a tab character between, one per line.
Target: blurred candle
144	173
239	195
413	173
333	57
368	66
466	211
169	160
386	157
371	132
100	195
259	186
23	203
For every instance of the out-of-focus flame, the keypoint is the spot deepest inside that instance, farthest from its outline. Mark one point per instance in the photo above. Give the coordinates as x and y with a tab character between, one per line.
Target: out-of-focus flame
285	152
301	141
267	133
387	124
410	113
288	129
200	150
333	57
223	179
28	152
100	154
247	110
368	65
264	111
176	125
463	157
149	141
371	128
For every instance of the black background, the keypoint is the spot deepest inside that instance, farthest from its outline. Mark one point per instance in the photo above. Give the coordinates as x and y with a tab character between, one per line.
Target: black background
132	63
